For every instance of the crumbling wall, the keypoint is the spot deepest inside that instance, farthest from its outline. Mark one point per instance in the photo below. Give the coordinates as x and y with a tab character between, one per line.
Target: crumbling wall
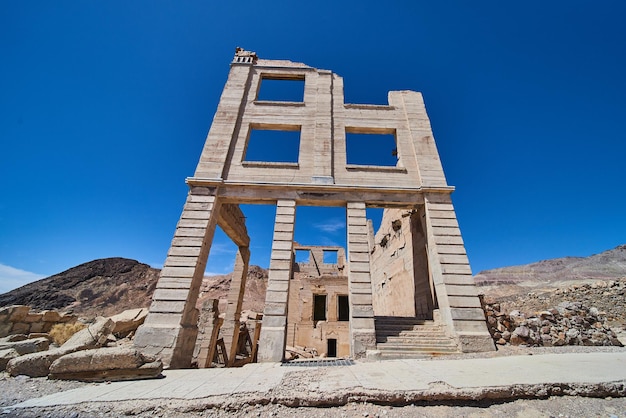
302	329
18	319
391	264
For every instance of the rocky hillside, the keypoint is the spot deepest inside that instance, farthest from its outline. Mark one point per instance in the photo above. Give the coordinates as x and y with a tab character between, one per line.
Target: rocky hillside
101	287
111	285
552	274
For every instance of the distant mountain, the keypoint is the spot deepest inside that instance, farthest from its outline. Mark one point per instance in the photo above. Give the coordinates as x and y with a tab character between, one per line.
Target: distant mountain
111	285
552	273
101	287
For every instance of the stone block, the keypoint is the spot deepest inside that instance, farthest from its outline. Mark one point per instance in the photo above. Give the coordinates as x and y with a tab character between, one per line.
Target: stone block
361	299
468	314
464	302
18	313
20	328
34	364
271	321
128	320
273	308
7	354
51	316
271	347
362	311
475	343
110	364
32	317
459	290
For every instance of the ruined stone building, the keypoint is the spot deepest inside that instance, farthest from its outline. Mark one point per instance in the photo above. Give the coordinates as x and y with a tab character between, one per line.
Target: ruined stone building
443	300
318	308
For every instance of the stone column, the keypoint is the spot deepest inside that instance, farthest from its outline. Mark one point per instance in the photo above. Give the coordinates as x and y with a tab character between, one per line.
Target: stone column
209	326
455	289
274	327
230	328
362	330
170	329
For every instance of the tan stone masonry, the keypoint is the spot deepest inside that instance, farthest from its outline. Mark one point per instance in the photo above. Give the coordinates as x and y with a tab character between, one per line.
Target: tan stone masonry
321	176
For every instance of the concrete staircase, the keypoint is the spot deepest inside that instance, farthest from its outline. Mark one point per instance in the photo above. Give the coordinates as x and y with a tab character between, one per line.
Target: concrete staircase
404	337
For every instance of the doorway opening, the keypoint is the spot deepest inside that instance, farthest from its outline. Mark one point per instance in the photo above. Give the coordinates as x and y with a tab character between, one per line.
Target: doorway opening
332	347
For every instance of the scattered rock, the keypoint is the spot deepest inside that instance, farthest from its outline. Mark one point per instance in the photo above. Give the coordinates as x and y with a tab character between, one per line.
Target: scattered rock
119	363
128	321
38	364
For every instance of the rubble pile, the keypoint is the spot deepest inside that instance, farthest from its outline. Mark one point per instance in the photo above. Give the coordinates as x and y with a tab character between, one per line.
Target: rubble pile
570	323
100	351
609	296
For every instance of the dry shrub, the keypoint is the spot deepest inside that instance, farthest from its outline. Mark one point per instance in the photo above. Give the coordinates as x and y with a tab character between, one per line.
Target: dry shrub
60	333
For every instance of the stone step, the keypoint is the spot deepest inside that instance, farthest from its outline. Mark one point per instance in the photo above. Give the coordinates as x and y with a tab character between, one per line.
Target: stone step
395	355
417	341
413	346
410	332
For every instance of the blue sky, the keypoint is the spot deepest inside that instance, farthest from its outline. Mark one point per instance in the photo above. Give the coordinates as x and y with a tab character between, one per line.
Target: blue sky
104	108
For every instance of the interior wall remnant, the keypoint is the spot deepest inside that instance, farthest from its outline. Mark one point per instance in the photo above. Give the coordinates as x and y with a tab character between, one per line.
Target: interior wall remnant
425	303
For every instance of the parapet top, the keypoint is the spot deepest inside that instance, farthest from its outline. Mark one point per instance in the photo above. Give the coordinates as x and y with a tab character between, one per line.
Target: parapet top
244	57
250	57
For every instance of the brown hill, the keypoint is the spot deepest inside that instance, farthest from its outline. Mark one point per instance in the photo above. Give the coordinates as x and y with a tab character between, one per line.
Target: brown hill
111	285
101	287
554	273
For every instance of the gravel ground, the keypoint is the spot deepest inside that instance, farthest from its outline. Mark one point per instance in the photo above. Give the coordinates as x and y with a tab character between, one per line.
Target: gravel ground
18	389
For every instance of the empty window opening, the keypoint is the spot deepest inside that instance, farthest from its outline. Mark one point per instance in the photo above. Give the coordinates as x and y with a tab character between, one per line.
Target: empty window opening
330	256
378	149
375	215
303	256
319	225
259	219
277	89
343	308
331	347
273	145
222	254
319	307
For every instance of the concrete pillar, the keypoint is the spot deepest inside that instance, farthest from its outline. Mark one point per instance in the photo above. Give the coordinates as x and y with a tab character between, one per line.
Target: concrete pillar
170	329
455	289
274	328
230	328
362	330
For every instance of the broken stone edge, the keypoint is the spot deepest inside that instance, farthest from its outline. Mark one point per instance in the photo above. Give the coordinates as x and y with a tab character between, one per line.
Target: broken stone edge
439	393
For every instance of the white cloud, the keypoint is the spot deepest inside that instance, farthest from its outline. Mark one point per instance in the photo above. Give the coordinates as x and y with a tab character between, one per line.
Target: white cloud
331	225
12	278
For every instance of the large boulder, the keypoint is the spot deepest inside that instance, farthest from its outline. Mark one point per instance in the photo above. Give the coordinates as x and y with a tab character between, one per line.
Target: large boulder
118	363
35	364
94	336
128	320
38	364
7	354
27	346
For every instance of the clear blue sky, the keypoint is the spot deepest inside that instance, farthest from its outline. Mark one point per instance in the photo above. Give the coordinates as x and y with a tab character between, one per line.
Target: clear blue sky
104	108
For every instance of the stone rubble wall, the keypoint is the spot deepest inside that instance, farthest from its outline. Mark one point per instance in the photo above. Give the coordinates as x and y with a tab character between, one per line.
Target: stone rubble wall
19	319
570	323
